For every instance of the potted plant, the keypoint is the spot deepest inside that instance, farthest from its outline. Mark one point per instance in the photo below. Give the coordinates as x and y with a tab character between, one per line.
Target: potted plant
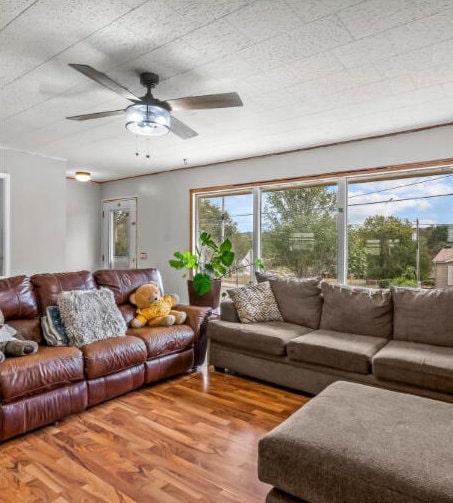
206	267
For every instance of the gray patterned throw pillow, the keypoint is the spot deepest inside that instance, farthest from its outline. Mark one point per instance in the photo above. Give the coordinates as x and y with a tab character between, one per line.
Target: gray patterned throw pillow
255	303
90	315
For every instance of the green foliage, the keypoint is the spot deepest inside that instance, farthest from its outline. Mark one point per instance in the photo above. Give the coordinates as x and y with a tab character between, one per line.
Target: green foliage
211	261
220	225
357	256
436	238
394	250
299	230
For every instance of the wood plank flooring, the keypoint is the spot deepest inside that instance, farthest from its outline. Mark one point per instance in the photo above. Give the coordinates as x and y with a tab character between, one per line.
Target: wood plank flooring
189	439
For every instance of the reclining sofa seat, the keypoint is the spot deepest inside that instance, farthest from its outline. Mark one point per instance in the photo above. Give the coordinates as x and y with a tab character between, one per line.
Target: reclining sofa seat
112	366
41	388
169	350
59	381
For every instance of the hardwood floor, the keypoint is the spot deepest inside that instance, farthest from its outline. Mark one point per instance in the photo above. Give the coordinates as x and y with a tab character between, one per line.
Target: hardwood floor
190	439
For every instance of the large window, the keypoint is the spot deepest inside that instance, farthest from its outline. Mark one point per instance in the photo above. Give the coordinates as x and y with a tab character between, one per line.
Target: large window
377	230
299	230
230	216
397	229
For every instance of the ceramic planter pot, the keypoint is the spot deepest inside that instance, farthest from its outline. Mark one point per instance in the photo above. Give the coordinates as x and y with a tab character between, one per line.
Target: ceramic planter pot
209	299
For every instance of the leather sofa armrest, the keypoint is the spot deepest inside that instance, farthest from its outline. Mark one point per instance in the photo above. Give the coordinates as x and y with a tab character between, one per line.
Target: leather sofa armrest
197	319
228	312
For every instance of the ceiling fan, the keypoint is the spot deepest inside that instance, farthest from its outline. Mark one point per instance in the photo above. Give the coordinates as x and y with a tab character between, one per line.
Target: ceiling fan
149	116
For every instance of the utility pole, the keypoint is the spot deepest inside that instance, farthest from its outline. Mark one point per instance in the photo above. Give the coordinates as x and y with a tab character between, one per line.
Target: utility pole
417	256
222	223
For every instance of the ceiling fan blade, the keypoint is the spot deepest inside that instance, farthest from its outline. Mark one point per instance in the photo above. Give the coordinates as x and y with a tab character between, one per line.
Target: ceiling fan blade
224	100
101	78
180	129
97	115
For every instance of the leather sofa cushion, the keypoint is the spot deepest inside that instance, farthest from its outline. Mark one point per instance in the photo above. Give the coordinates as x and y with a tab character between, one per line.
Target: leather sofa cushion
108	356
162	341
361	311
124	282
28	329
423	315
128	312
47	369
269	337
48	286
17	298
299	299
414	363
350	352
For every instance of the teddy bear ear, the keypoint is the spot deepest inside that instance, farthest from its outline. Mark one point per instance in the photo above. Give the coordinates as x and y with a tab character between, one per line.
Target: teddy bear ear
132	299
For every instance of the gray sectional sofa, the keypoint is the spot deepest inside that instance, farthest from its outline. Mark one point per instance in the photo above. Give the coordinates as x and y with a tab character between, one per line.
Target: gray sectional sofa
401	339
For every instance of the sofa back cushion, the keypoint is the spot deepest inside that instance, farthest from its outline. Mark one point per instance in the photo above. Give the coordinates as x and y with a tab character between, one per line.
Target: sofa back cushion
124	282
19	306
423	315
361	311
17	298
299	299
48	286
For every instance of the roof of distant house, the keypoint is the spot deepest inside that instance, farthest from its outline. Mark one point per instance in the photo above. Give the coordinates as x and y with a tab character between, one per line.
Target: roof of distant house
445	255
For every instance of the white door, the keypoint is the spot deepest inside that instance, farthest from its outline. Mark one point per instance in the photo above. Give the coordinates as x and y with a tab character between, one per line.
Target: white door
119	234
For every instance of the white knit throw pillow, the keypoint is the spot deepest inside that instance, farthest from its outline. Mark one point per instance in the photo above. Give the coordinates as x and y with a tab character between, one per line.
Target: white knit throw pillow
90	315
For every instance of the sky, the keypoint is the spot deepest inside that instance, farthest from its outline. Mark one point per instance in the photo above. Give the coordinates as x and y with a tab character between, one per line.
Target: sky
430	199
424	198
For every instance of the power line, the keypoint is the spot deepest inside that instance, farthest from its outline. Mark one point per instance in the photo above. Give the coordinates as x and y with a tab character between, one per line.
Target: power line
400	186
392	200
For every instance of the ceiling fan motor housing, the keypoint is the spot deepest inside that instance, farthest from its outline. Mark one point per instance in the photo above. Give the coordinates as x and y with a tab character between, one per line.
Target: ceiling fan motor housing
149	79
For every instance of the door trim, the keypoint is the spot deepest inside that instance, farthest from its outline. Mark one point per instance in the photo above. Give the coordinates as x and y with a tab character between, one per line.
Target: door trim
104	246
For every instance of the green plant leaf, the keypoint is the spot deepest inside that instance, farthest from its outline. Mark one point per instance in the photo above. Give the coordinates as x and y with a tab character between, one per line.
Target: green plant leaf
201	283
176	264
227	257
225	246
259	263
221	269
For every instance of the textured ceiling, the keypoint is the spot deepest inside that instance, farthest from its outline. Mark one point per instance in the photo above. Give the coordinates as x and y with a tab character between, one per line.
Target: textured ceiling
308	71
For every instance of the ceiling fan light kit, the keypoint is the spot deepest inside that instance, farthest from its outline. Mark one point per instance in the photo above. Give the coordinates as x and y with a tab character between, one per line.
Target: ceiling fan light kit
147	120
148	116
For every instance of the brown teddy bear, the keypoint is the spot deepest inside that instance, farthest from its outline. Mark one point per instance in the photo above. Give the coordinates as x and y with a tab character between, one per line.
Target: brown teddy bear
11	346
155	309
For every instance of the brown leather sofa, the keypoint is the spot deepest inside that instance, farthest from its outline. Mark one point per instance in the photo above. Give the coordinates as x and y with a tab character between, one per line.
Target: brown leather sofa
39	389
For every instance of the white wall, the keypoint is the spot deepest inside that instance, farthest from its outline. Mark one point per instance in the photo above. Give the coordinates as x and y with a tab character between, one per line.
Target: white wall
163	199
83	226
55	222
38	212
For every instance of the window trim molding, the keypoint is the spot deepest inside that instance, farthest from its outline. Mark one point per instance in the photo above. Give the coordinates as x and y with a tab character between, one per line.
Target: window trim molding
412	166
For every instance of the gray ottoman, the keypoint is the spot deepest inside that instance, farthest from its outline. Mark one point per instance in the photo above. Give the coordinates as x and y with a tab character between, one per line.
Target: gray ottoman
358	444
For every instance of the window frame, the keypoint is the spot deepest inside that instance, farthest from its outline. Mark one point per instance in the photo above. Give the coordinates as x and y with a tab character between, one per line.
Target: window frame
340	178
